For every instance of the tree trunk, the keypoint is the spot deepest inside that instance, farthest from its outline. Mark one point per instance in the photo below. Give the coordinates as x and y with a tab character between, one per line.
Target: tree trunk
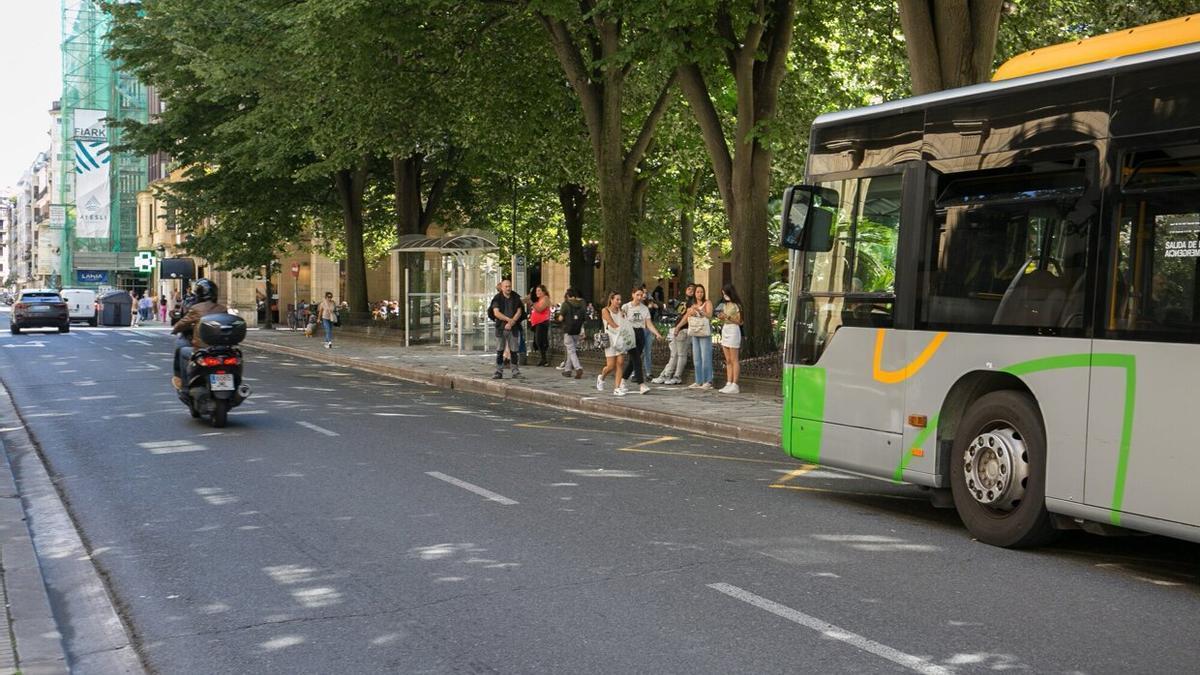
616	243
572	197
950	43
350	184
267	324
751	251
687	231
406	174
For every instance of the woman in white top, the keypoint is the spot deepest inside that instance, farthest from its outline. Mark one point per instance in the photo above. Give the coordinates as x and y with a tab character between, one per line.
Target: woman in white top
731	337
637	313
614	357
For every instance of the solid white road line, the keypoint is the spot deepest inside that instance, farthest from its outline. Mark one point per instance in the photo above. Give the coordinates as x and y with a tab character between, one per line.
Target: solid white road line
482	492
914	663
320	430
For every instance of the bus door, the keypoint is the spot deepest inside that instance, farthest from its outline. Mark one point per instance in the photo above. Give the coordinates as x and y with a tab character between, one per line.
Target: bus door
1142	454
845	295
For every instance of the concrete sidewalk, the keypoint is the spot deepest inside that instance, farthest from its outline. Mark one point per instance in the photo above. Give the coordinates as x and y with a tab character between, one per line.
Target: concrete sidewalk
750	417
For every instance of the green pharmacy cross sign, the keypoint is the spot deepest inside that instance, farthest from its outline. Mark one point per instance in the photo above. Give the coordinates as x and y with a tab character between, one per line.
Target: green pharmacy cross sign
145	261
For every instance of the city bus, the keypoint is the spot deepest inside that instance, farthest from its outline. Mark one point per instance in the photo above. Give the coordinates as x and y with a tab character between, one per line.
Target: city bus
995	294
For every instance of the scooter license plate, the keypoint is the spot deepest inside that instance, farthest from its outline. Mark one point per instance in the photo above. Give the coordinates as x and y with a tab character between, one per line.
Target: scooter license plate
220	382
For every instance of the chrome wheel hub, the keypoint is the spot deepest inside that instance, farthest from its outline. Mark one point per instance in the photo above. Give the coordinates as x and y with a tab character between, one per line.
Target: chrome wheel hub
996	468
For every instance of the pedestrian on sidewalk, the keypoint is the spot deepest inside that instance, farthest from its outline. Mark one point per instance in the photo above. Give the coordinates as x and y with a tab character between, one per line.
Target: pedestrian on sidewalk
731	337
637	313
647	349
539	320
679	343
616	330
572	314
506	309
162	308
135	320
699	328
327	315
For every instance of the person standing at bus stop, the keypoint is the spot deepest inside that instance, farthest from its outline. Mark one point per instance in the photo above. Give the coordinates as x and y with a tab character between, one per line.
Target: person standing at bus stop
327	315
506	309
699	327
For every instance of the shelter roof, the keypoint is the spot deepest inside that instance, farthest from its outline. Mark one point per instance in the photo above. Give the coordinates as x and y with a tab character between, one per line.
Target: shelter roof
460	241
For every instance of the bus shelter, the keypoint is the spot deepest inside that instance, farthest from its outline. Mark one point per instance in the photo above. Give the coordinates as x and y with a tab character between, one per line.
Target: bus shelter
448	283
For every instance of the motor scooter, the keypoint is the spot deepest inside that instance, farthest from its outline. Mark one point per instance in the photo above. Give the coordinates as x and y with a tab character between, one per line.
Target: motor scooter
212	383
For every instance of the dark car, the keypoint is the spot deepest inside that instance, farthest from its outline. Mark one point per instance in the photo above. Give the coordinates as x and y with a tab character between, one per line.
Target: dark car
40	309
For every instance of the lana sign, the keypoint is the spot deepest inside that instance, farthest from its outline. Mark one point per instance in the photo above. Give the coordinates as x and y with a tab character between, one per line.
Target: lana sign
91	277
93	195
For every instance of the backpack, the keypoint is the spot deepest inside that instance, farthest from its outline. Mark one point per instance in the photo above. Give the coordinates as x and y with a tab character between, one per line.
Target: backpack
573	314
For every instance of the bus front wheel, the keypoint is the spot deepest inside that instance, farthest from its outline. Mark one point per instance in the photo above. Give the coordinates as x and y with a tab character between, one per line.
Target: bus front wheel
998	471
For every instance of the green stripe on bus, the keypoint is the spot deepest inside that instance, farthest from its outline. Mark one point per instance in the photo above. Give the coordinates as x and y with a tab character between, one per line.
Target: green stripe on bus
1125	361
804	412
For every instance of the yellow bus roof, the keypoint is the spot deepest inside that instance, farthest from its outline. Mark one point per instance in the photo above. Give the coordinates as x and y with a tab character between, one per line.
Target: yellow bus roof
1170	33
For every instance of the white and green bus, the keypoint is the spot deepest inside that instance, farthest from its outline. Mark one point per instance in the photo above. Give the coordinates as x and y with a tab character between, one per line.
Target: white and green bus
996	293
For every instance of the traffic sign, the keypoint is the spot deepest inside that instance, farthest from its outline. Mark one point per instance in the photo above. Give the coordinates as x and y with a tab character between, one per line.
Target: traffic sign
296	270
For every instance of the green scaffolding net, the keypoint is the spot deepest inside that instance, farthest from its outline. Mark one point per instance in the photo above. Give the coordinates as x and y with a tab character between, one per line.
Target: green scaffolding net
97	189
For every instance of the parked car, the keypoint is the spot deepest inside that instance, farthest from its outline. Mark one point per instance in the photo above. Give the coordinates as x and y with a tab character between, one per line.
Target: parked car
40	308
81	304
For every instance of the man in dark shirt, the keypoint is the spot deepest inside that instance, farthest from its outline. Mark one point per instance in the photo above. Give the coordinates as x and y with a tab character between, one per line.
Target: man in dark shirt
506	309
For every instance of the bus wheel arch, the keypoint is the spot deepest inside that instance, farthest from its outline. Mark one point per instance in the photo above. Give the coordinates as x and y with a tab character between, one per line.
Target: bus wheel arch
969	388
998	470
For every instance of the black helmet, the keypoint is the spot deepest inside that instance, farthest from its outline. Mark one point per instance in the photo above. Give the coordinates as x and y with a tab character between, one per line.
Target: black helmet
204	290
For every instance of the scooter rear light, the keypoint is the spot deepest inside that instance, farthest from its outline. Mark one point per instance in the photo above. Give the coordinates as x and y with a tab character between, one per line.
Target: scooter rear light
231	361
210	361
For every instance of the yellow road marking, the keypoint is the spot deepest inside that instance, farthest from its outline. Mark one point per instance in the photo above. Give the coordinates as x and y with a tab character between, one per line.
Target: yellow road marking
546	425
653	441
701	455
805	488
795	474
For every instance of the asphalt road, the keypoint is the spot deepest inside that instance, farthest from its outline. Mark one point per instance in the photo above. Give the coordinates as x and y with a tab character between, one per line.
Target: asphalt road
345	522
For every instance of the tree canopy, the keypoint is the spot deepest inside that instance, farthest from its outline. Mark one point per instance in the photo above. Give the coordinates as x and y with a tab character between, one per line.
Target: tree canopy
659	128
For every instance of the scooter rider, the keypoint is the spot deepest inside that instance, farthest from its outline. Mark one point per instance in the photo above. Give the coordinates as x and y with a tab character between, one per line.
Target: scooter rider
205	293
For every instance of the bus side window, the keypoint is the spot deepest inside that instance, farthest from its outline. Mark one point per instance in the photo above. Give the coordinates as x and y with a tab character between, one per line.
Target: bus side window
1010	252
1155	279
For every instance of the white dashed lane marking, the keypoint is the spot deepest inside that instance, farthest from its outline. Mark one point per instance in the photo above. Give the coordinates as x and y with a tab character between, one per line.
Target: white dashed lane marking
319	430
914	663
469	487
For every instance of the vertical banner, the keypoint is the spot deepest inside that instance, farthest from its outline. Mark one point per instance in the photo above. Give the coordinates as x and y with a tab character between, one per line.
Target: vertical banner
93	195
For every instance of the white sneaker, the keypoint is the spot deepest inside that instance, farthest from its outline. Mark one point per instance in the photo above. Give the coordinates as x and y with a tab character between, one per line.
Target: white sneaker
732	388
623	389
695	385
659	380
724	389
599	383
618	392
674	381
643	389
706	385
562	366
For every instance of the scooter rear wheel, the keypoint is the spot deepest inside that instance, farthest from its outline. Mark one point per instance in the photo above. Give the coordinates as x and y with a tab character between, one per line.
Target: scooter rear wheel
220	414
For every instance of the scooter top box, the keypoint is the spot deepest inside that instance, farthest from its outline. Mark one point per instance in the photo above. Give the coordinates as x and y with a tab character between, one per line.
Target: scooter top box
222	330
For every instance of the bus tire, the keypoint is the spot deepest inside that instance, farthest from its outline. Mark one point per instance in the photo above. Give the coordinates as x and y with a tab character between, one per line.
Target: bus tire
998	471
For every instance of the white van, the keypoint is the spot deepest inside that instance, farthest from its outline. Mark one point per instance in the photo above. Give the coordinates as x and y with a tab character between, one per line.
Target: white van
81	304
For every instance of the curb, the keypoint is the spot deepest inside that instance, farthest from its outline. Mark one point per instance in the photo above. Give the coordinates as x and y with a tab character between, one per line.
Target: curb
524	394
46	566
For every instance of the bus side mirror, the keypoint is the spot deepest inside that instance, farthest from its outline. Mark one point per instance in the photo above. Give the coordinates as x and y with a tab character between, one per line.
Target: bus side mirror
807	219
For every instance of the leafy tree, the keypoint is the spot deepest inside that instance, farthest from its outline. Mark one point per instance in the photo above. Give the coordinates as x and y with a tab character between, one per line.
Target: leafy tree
610	56
738	51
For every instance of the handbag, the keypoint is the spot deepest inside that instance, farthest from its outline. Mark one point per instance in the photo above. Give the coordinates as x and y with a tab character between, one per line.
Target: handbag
699	326
601	340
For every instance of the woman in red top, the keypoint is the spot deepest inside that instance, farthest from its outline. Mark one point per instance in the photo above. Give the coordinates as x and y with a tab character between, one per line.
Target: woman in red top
539	318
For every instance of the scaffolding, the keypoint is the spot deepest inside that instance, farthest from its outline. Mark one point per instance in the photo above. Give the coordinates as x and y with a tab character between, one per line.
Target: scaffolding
92	81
